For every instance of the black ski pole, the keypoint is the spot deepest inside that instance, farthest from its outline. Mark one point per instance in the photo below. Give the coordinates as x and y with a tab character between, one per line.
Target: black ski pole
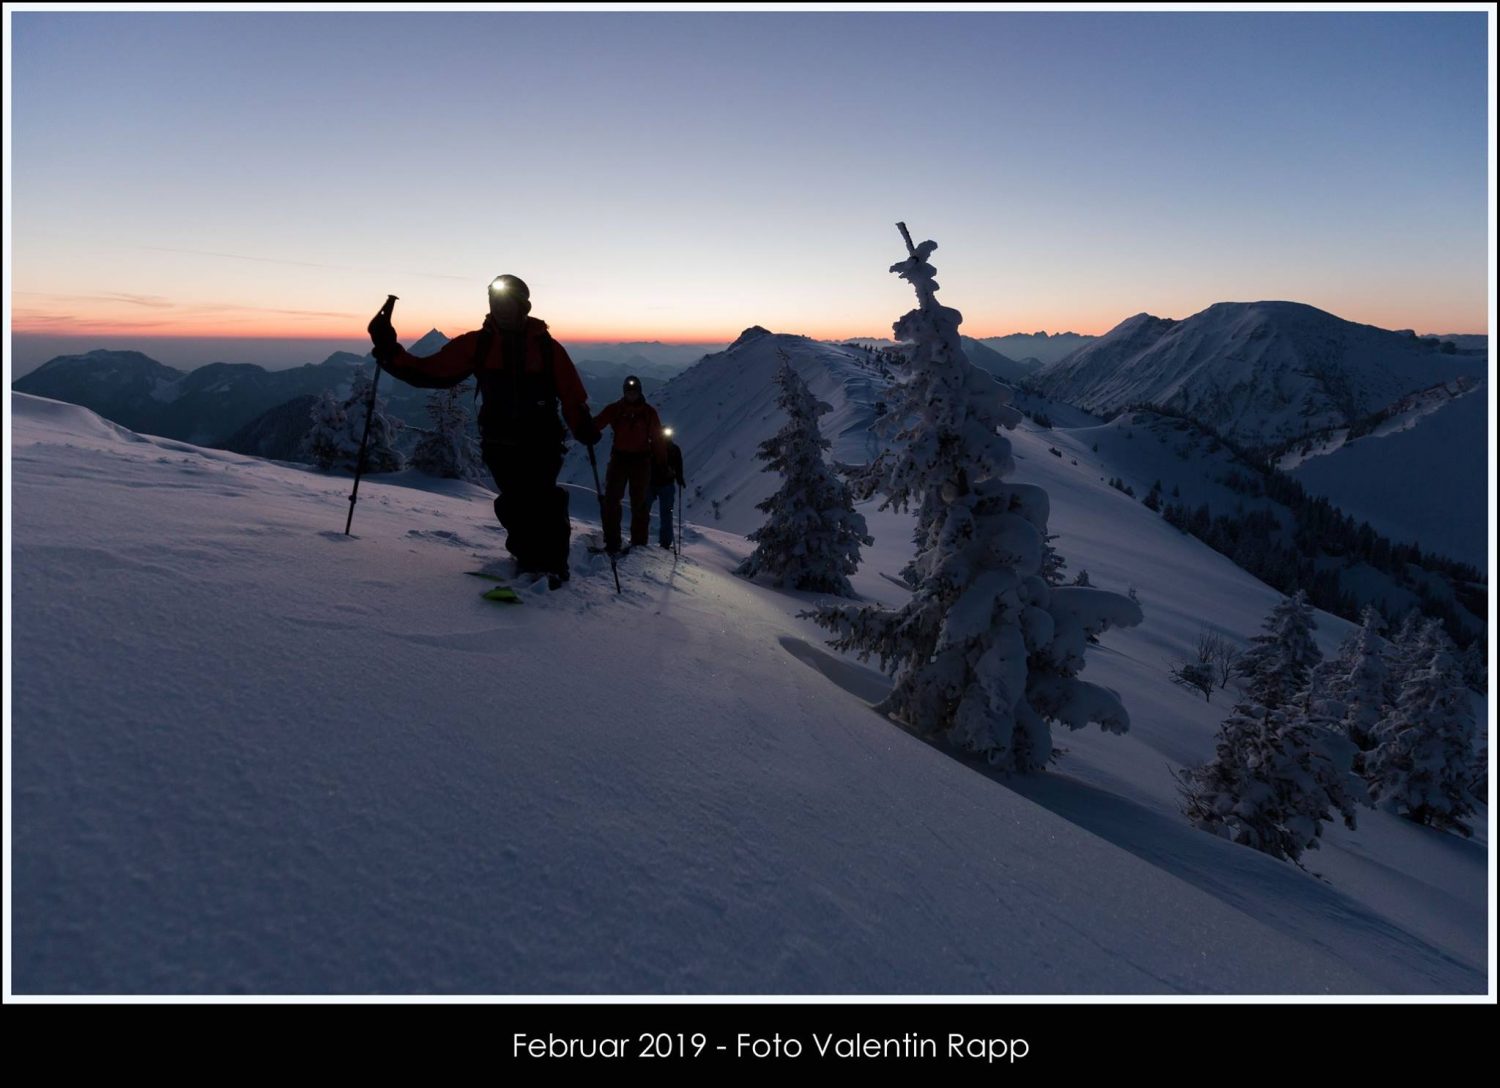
594	464
359	466
677	537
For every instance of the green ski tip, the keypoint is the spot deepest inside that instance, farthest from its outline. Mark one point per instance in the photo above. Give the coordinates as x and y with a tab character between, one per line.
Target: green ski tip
502	593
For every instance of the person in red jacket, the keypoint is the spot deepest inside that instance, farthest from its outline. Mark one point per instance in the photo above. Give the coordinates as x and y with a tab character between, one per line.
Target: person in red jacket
523	376
637	445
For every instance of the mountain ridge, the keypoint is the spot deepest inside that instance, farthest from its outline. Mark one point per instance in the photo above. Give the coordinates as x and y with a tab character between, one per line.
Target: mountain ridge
1260	373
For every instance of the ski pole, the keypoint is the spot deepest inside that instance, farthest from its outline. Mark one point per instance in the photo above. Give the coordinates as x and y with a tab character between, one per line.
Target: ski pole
594	464
359	466
677	537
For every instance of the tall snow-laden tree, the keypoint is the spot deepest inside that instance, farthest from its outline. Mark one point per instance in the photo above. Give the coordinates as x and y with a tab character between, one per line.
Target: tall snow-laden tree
985	652
339	425
1409	645
1279	662
1349	689
1423	763
1475	667
812	535
1274	780
449	450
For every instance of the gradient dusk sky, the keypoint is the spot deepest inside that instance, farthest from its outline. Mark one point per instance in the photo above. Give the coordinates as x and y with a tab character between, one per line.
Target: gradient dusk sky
680	176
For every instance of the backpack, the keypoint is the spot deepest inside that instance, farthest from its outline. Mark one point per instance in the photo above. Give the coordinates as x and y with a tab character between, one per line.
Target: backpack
526	410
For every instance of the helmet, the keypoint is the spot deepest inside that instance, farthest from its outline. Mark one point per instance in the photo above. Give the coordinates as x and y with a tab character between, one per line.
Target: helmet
510	287
632	383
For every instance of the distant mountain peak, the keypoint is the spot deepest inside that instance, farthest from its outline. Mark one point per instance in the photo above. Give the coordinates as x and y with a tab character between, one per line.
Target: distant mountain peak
754	332
432	341
1260	373
344	358
99	362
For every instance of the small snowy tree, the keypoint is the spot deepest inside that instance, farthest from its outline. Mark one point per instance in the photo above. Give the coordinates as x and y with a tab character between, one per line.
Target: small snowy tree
449	450
324	443
1053	562
1279	663
1197	675
811	538
985	652
338	426
1213	655
1423	762
1272	783
1224	657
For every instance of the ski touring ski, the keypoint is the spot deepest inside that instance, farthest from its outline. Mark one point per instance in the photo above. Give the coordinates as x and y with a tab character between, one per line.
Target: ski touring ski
504	591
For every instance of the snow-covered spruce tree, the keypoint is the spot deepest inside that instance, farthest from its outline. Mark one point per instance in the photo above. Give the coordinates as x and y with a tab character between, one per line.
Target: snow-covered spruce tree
1348	690
449	450
812	536
1272	783
985	652
1409	645
324	442
1279	663
1475	667
1423	763
338	426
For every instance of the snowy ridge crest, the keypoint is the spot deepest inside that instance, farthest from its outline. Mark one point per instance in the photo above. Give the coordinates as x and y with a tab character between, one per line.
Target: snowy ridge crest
1259	373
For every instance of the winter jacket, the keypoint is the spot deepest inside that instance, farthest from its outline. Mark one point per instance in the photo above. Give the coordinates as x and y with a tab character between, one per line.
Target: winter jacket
663	473
519	402
637	428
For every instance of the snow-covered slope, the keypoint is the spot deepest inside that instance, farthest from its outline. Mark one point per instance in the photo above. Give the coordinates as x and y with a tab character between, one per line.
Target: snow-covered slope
996	363
251	754
1141	449
723	407
1420	477
1259	373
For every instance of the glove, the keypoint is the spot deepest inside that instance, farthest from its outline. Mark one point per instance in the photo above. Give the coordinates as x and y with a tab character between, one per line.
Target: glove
681	482
382	335
587	433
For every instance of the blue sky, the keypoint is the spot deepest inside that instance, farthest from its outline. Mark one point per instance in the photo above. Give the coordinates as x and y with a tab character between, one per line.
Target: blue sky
684	175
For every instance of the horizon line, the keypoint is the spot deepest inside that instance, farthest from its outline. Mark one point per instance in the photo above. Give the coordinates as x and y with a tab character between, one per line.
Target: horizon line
137	334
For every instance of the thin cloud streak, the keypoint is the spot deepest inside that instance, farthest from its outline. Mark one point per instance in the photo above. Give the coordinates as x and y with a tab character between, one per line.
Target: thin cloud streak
152	301
230	307
300	264
33	322
156	302
201	309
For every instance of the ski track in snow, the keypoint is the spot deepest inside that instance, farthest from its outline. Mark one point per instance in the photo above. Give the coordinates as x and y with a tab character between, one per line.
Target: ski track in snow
254	755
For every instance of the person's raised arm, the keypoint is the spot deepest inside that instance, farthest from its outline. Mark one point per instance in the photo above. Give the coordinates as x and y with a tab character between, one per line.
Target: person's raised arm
450	365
